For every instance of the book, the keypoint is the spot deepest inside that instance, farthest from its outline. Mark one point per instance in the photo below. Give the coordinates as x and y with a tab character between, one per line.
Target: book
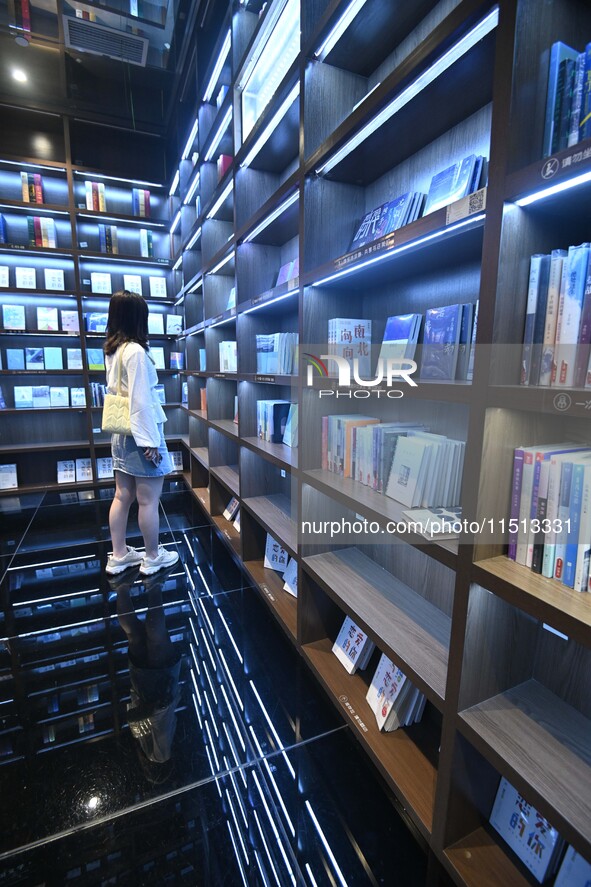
69	320
54	279
155	324
382	221
570	309
552	304
352	647
66	471
400	337
78	397
392	698
174	324
228	357
13	317
83	470
41	397
275	555
26	278
177	460
8	477
34	359
526	831
452	183
271	419
440	345
290	433
74	358
95	358
100	282
231	508
133	283
104	467
158	288
23	397
15	359
47	319
585	112
351	338
290	577
59	396
157	355
96	321
575	871
4	276
53	358
558	54
146	243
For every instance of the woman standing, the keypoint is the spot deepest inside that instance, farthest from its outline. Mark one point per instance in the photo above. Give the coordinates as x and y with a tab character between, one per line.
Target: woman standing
140	459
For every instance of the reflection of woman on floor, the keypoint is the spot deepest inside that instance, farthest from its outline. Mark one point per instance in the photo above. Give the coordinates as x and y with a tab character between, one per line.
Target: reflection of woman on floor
154	666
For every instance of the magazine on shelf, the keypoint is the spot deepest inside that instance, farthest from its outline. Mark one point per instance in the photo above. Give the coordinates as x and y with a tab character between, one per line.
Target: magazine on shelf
23	397
400	337
453	183
275	555
100	282
290	577
575	871
59	396
13	317
155	324
41	398
54	279
133	283
104	467
34	359
352	647
382	220
231	508
158	288
8	477
4	276
15	359
83	469
66	471
69	321
26	278
47	319
441	341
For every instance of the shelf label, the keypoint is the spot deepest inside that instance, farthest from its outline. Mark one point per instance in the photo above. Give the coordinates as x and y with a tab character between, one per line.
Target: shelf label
266	590
344	700
259	378
467	206
216	319
83	244
552	165
378	246
219	375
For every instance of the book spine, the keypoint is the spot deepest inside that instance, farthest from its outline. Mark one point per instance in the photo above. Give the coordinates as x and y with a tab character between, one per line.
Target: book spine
552	304
530	316
140	202
114	239
25	10
583	348
515	500
584	545
102	202
525	505
563	514
551	515
102	238
324	426
539	321
565	355
574	513
144	242
51	233
577	101
31	230
570	73
32	194
88	193
541	513
558	106
44	232
585	118
38	231
147	204
25	187
95	197
38	184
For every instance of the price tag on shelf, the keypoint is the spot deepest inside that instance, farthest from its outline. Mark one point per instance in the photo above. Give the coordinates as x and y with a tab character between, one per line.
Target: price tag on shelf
467	206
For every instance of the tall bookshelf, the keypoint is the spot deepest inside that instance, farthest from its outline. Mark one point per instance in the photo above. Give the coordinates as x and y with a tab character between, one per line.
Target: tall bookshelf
61	277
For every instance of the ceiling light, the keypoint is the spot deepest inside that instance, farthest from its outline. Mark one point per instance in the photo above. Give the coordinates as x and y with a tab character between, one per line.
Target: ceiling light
19	75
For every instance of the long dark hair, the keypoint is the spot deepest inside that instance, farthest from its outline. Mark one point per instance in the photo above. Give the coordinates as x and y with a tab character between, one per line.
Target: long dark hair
127	322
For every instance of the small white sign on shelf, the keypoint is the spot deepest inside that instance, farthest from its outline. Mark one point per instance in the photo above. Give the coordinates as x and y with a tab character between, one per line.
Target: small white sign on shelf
275	555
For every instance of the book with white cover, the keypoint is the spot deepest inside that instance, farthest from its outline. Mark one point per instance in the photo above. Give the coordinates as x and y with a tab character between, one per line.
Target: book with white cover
74	358
231	508
83	469
41	397
4	278
104	467
526	831
70	321
8	478
59	396
352	646
26	278
177	460
66	471
406	470
158	287
236	521
275	555
53	358
13	317
78	397
133	283
386	688
174	324
54	279
155	324
290	577
575	871
157	355
100	282
23	397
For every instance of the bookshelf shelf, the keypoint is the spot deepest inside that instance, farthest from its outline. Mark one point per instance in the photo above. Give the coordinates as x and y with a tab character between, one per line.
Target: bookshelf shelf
407	765
228	426
529	717
228	475
542	400
279	454
202	455
478	861
136	221
282	604
228	533
274	513
407	626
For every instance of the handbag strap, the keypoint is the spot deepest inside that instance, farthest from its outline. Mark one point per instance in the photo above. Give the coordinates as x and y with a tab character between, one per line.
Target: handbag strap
119	371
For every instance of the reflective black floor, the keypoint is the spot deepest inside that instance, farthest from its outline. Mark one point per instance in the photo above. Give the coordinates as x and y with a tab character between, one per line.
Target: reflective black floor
164	731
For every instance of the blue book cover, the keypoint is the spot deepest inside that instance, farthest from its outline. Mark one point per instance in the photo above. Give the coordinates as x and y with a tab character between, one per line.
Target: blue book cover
3	232
450	184
15	359
440	345
574	513
464	343
558	53
539	271
96	322
400	336
381	221
585	115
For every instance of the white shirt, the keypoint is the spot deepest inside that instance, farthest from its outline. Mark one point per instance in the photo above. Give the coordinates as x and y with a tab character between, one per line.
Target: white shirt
138	381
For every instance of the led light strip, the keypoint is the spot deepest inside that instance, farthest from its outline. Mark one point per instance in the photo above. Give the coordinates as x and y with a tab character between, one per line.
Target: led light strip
190	140
544	193
209	708
63	560
207	619
35	208
96	175
222	322
35	165
175	222
121	221
192	188
273	730
270	302
223	262
272	780
313	881
219	134
339	29
236	792
231	680
273	827
326	845
230	635
234	721
277	212
236	854
394	252
266	846
271	126
178	263
223	196
175	183
445	61
218	67
194	238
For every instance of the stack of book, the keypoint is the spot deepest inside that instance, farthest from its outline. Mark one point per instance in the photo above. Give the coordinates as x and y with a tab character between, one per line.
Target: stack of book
372	451
32	187
557	335
41	231
95	196
448	343
272	419
228	357
277	353
568	98
454	182
392	698
550	521
140	203
426	470
146	243
108	242
97	393
386	218
351	338
400	337
352	647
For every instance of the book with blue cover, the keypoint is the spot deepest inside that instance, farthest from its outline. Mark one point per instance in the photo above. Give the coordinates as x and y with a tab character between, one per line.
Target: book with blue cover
453	183
558	53
96	321
401	336
441	340
575	871
382	220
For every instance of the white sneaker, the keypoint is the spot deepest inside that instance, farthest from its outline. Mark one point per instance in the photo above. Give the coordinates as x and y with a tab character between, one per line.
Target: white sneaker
118	564
163	559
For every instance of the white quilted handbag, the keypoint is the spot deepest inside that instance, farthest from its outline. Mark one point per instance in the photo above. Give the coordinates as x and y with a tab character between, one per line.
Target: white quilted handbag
116	407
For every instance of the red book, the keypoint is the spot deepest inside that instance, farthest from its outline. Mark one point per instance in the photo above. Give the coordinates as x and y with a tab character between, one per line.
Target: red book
224	162
147	204
95	197
25	15
38	188
38	234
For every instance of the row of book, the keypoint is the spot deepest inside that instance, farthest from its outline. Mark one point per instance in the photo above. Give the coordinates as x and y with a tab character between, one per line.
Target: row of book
550	528
277	421
447	352
277	353
228	357
140	203
557	337
14	318
32	187
96	322
52	358
95	196
41	397
403	460
80	470
448	185
392	698
277	558
41	231
101	284
108	239
568	98
535	841
26	278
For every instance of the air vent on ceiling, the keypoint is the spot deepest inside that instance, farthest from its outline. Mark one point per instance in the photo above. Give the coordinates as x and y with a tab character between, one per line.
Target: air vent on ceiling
87	36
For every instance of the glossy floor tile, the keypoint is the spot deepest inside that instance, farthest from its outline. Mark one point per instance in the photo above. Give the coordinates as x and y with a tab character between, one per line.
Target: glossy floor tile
164	730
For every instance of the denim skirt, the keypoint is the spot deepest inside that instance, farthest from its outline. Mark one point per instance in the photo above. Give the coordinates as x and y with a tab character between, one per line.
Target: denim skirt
130	459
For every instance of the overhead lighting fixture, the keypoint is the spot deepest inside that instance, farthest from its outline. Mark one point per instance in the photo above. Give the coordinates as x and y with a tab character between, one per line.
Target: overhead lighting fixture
194	238
221	60
175	222
219	134
192	188
544	193
237	855
223	262
394	252
272	216
477	33
221	200
190	140
19	75
270	302
278	840
175	183
339	29
272	125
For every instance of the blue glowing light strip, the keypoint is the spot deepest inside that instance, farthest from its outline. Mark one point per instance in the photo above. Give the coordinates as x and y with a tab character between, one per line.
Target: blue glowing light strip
217	70
273	730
